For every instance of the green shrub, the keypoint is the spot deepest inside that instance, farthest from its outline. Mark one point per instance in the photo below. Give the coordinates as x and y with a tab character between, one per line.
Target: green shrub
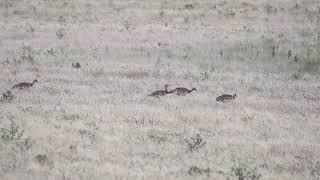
195	143
13	132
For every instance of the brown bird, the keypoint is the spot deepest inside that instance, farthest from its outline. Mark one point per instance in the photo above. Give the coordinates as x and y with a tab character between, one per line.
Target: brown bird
182	91
24	85
160	92
226	97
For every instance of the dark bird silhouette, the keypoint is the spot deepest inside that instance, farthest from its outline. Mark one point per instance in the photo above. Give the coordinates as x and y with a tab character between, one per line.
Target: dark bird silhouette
160	92
182	91
226	97
24	85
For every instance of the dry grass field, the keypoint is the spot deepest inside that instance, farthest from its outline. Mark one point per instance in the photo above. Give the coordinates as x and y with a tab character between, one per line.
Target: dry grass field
94	120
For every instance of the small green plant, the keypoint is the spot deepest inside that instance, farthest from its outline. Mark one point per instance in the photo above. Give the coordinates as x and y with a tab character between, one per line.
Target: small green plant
195	143
189	6
247	117
27	54
13	132
76	65
51	52
194	170
161	13
270	9
297	75
60	33
25	145
230	13
29	28
315	172
42	159
204	76
311	66
7	96
242	170
126	24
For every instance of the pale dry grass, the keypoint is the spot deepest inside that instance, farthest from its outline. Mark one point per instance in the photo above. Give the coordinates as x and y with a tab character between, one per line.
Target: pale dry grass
96	122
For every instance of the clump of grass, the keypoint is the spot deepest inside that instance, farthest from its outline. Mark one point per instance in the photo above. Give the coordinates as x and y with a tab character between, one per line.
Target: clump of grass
230	13
194	170
311	66
189	6
60	33
51	52
76	65
29	28
195	143
270	9
11	133
27	54
25	145
126	24
161	13
43	160
315	172
243	170
7	96
297	75
247	117
204	76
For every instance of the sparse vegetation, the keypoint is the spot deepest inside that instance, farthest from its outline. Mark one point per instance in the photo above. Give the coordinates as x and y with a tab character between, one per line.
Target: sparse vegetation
60	33
27	54
195	143
270	9
243	170
29	28
24	145
311	66
189	6
194	170
76	65
7	96
43	160
247	117
11	133
315	171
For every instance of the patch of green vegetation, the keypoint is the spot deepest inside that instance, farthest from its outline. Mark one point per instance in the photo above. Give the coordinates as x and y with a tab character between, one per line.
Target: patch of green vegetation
194	170
195	143
7	96
27	54
297	75
243	170
13	132
25	145
311	66
42	159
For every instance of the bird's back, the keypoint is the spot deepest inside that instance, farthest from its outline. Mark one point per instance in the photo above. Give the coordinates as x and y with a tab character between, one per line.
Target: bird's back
181	90
158	93
22	85
224	97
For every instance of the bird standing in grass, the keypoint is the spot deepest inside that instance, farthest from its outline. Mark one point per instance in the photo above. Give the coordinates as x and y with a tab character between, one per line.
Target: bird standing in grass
160	92
24	85
226	97
180	91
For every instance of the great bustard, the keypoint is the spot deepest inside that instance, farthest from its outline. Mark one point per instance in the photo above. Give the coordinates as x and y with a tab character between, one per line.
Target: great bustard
182	91
160	92
24	85
226	97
